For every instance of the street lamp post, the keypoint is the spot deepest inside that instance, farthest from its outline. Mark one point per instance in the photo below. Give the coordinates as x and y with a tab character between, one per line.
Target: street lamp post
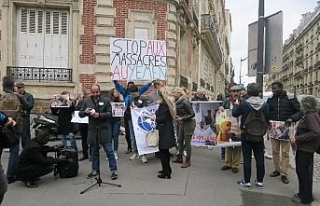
260	44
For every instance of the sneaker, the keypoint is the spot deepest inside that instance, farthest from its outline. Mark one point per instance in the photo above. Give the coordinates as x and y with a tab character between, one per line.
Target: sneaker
144	159
134	156
244	184
114	175
268	156
92	175
258	184
115	155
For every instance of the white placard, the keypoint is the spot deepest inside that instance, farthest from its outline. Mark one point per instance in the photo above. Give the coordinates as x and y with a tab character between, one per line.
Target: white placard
138	59
77	119
117	109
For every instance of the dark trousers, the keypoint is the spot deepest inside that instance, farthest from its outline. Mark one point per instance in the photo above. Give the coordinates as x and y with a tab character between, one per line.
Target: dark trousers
304	169
258	152
127	130
26	135
35	172
83	129
165	161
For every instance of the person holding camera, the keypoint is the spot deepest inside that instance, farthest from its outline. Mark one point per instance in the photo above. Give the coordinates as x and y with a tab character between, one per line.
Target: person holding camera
34	162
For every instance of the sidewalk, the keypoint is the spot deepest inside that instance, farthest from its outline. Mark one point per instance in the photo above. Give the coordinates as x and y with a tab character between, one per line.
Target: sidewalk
203	184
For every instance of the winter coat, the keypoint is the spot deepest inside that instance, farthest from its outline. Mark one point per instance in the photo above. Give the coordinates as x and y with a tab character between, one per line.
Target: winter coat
184	109
64	119
284	107
33	156
308	132
103	107
165	126
196	98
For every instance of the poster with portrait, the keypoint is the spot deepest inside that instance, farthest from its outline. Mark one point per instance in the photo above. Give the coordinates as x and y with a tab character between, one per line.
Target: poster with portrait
228	129
118	109
204	134
278	130
144	121
60	101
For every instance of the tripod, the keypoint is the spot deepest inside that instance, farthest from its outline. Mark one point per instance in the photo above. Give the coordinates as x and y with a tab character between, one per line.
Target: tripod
98	177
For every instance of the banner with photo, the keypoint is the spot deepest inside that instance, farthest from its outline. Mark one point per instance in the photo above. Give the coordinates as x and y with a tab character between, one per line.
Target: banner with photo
280	131
143	120
214	128
60	100
117	109
138	59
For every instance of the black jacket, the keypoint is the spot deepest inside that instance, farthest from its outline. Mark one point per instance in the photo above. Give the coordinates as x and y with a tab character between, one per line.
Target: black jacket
196	98
184	109
165	127
33	155
103	107
284	107
64	119
30	100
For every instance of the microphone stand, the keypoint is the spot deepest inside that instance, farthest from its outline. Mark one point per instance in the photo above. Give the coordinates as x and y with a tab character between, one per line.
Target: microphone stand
97	146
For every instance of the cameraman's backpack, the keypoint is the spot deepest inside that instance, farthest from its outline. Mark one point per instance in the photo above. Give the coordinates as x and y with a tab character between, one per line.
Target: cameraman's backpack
255	125
70	167
10	105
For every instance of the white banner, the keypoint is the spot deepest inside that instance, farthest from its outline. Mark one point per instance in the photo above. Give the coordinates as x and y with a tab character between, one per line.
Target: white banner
138	59
214	128
143	120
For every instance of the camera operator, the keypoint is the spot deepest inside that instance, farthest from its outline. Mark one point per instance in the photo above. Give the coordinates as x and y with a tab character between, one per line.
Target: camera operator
34	162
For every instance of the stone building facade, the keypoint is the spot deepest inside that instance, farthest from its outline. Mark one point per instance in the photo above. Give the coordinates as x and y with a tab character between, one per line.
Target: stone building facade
301	57
56	45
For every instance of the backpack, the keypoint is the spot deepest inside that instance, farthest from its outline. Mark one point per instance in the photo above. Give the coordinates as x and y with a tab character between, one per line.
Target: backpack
255	125
10	105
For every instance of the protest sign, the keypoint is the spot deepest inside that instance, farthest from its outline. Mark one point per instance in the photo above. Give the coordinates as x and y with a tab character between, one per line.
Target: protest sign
117	109
60	100
77	119
138	59
143	120
214	128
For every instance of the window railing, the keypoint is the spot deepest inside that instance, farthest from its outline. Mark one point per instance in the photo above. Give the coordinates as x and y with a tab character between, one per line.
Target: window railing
40	74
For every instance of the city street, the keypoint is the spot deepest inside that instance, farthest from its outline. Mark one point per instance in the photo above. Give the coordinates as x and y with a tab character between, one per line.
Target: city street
202	184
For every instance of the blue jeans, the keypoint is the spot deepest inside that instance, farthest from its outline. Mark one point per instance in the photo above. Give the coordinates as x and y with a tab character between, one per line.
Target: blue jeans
133	139
64	139
258	152
95	157
115	128
13	160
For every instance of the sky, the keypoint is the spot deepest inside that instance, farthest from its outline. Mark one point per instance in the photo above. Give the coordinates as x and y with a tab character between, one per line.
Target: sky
244	12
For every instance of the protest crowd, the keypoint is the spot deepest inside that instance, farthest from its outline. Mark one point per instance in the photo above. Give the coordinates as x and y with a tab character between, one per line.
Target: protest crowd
155	120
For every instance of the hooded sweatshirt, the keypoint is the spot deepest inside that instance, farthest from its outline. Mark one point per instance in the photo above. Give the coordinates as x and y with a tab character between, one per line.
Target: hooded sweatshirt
244	108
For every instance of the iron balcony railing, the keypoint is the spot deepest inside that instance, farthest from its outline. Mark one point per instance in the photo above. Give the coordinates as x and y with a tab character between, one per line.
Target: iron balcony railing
40	74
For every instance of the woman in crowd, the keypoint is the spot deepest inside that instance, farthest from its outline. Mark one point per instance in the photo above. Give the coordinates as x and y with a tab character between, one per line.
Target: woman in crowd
66	127
164	119
307	141
185	124
115	122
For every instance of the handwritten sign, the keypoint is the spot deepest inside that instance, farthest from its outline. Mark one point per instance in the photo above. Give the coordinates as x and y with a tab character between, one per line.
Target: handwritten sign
138	59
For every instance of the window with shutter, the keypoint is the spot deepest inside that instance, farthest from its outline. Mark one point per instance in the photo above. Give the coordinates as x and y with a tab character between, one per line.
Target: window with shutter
42	38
